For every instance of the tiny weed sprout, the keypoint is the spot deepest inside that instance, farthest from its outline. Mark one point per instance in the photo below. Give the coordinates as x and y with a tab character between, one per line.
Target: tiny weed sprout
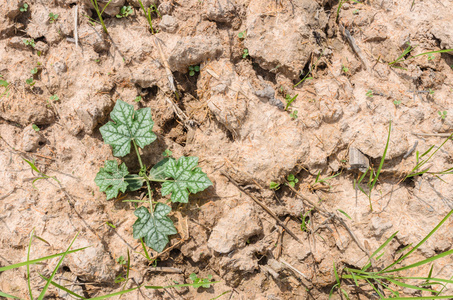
396	102
121	260
30	42
4	84
35	127
34	71
54	98
305	220
125	12
53	18
369	93
344	69
200	282
30	81
293	115
178	177
24	7
431	91
355	12
292	180
167	153
242	34
245	54
110	224
274	186
99	13
138	99
148	12
430	56
289	100
442	114
193	70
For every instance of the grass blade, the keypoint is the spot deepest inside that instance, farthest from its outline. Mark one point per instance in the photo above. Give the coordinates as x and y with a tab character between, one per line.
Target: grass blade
422	262
382	159
44	290
61	287
344	213
33	261
116	294
176	285
28	266
8	296
421	243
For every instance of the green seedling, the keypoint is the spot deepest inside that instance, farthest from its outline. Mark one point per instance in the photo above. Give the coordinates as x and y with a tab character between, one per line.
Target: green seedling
30	42
373	177
30	81
148	12
305	222
121	260
242	34
396	102
110	224
34	71
322	182
312	67
99	13
138	99
442	114
407	51
338	284
178	177
289	100
35	127
293	115
200	282
431	92
245	53
193	70
274	185
167	153
431	56
420	162
292	180
54	98
383	278
4	84
125	12
24	7
355	12
369	94
344	69
53	17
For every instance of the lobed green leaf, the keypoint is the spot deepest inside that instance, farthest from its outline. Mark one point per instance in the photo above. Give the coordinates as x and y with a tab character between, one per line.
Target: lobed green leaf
187	178
111	179
128	125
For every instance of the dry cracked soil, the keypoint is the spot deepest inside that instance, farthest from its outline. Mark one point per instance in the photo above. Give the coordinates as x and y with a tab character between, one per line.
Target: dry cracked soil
340	190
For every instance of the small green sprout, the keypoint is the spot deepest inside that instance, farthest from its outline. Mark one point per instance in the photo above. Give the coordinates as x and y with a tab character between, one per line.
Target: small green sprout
442	114
305	222
138	99
293	115
34	71
24	7
292	180
167	153
274	186
242	34
35	127
111	225
200	282
121	260
30	81
369	93
289	100
355	12
344	69
245	53
431	91
193	70
396	102
125	11
30	42
431	56
52	17
54	98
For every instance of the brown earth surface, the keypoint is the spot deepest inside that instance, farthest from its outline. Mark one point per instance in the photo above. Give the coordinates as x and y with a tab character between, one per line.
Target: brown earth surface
231	114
